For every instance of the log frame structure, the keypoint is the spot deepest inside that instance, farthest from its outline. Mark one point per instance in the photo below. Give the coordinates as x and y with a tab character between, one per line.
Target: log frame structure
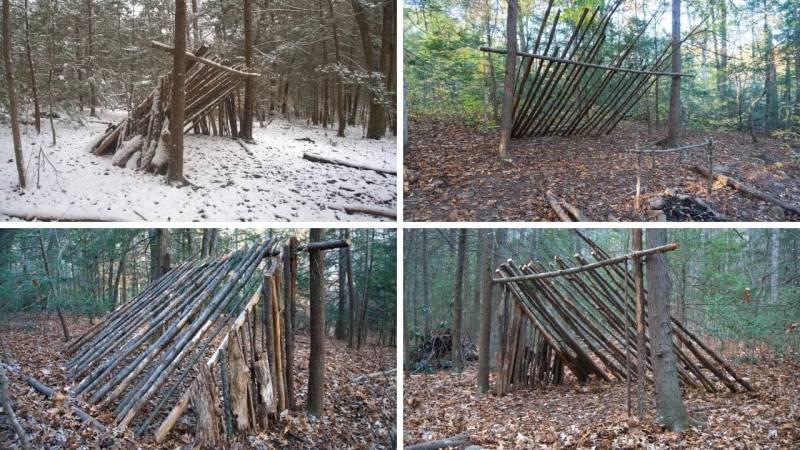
565	90
214	334
142	140
578	318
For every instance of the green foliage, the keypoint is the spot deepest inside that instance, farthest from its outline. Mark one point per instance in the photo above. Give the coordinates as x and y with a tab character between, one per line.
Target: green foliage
447	75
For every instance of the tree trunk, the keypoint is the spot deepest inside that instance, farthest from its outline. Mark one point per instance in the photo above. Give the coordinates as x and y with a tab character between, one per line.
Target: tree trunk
246	129
37	115
12	95
159	253
671	411
90	55
458	360
195	29
506	120
351	332
770	85
775	268
673	124
340	115
362	321
316	367
426	306
375	127
177	100
485	280
641	349
475	319
341	320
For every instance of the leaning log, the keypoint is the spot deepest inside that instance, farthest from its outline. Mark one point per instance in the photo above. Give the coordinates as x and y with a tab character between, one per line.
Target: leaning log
738	185
167	48
454	441
48	392
341	162
5	405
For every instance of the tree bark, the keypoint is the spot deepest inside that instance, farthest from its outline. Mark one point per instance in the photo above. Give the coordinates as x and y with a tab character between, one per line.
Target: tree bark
376	125
506	119
246	129
316	367
36	112
673	124
341	320
352	330
484	251
90	55
426	306
458	360
177	100
362	321
641	349
671	411
12	95
775	268
340	115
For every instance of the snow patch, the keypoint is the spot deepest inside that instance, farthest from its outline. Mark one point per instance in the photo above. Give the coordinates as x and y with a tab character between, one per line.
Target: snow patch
275	183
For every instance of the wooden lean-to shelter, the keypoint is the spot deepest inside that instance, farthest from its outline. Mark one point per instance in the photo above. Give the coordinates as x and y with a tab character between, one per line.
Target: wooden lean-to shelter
142	140
212	336
568	90
580	317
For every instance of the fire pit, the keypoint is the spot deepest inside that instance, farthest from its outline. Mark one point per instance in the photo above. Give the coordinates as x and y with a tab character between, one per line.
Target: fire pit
674	207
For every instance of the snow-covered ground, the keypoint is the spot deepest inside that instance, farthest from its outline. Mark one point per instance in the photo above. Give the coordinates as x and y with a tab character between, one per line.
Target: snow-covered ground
274	184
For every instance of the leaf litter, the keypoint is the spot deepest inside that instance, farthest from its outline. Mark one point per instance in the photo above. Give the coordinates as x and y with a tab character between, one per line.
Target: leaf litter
358	414
453	173
593	415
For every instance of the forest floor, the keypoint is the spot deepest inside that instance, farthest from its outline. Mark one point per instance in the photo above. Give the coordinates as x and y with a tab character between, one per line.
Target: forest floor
593	415
358	414
272	183
455	174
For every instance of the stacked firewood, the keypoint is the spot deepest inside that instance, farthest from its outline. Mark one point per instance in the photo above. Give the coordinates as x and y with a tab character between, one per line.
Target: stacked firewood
581	316
212	102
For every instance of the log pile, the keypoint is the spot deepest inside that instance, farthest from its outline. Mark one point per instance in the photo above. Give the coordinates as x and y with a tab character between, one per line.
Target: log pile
574	318
142	140
564	90
435	351
214	333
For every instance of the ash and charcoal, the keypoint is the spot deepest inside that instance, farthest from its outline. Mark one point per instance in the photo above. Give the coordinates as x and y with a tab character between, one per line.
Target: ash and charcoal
684	208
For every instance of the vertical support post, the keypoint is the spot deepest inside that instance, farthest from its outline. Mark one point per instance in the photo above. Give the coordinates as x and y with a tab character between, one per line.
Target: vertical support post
288	284
637	200
226	391
640	341
269	332
710	165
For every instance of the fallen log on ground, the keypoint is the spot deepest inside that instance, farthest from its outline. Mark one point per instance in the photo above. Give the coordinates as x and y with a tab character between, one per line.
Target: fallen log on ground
564	210
341	162
367	376
738	185
5	405
370	210
453	441
63	217
50	393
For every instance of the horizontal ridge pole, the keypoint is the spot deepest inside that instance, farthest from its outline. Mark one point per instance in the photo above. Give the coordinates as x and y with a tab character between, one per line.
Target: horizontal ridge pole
167	48
606	262
580	63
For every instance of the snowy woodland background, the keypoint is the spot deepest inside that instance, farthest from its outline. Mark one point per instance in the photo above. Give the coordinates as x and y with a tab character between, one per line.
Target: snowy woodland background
326	85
